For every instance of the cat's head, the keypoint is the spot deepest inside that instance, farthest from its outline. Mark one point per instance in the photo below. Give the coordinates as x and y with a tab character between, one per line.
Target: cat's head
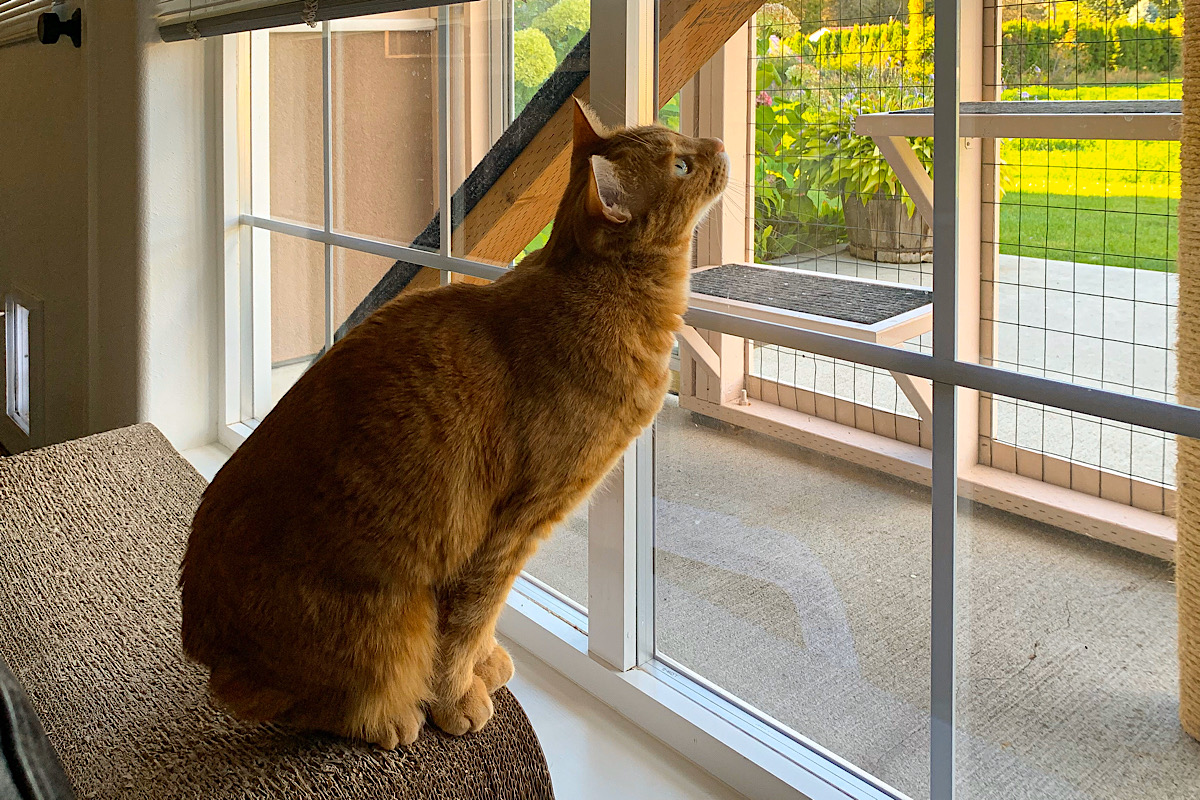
642	186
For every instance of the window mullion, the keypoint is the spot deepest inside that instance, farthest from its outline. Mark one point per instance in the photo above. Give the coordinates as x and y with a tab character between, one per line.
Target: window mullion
945	410
327	167
622	92
259	283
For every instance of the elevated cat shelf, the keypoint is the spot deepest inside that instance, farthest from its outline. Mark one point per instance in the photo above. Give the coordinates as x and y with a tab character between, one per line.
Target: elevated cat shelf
1041	119
857	308
1145	120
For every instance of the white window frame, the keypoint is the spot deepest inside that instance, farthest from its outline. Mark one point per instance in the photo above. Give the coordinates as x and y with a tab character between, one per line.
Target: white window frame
22	426
609	650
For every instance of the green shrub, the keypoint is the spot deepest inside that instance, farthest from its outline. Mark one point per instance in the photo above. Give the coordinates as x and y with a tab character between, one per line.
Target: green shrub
533	62
1034	50
564	24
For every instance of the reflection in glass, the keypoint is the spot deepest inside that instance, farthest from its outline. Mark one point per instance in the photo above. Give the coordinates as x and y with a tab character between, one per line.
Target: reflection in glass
800	584
1067	666
297	308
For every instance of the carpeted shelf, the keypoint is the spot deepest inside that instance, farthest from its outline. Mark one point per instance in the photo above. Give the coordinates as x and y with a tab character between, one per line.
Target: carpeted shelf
91	536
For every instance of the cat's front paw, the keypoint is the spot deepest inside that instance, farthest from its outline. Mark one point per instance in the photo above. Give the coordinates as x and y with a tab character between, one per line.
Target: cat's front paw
469	713
399	732
496	669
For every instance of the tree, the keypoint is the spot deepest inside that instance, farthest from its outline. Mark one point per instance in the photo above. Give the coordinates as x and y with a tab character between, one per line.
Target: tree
564	24
914	55
533	62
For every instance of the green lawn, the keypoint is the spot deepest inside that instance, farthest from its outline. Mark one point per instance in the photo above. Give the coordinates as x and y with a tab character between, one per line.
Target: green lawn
1120	230
1092	201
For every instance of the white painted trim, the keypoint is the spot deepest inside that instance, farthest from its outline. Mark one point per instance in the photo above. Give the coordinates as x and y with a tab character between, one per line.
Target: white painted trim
364	25
232	436
233	138
612	565
260	203
18	432
623	55
1136	126
717	736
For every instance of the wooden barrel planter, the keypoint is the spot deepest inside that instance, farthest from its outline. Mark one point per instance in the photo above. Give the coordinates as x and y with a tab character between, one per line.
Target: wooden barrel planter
883	230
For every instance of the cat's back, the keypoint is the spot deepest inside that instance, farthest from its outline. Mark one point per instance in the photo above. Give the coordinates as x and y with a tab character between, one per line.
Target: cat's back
366	429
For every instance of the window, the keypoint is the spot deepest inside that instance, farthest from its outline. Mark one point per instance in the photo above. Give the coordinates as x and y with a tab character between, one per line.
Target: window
850	548
17	357
22	359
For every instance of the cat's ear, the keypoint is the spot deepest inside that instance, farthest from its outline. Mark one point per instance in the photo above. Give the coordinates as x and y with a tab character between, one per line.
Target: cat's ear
588	132
605	192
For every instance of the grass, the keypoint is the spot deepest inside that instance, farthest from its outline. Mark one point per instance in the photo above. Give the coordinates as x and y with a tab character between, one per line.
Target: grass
1098	202
1119	231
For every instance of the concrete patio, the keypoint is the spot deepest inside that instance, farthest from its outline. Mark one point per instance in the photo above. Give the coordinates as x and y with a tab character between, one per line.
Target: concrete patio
801	584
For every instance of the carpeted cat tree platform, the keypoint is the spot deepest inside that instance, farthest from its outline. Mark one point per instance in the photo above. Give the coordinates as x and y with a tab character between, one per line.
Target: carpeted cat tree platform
91	537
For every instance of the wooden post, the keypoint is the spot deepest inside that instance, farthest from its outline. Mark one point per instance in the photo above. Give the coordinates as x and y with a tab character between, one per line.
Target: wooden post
970	218
716	102
989	227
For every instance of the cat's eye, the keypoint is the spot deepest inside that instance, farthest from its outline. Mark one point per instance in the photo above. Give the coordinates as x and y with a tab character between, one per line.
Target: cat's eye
682	167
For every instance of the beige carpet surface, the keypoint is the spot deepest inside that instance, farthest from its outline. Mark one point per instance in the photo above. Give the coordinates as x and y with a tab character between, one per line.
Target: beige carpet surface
91	536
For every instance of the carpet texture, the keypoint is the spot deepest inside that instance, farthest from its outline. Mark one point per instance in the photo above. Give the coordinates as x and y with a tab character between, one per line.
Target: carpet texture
91	537
810	292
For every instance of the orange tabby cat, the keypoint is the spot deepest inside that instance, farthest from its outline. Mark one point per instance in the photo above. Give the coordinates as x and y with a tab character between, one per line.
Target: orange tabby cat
346	567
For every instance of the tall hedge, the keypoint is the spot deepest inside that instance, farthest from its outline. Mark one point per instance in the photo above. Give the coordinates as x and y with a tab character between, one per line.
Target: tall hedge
1029	48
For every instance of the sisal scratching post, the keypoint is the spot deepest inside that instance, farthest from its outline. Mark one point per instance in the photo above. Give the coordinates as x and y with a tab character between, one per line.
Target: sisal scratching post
1187	569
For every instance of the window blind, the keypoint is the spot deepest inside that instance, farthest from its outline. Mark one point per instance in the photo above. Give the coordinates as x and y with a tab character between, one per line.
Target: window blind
197	19
18	19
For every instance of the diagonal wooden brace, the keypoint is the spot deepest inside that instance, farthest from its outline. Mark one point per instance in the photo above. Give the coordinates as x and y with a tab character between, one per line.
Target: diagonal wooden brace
911	172
919	392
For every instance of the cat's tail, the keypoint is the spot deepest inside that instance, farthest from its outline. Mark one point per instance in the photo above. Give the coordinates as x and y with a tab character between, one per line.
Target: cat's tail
249	698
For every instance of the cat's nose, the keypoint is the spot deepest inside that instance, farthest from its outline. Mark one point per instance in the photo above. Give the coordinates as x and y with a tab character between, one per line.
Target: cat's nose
718	145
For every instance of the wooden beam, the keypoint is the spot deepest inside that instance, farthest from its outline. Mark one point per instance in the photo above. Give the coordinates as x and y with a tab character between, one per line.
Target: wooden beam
700	349
919	392
1123	525
912	174
523	201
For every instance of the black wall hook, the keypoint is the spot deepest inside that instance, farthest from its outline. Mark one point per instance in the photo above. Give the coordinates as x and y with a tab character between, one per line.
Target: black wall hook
50	27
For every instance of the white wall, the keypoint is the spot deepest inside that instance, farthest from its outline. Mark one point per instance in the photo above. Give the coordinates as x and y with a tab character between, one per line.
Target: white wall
106	214
43	217
180	202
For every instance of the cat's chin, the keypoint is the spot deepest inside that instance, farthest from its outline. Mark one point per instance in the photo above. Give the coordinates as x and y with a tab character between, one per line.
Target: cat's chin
702	214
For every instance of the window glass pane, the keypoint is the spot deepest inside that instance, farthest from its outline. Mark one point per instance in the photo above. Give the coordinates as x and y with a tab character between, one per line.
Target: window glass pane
797	581
297	306
355	274
1068	680
1077	275
508	165
501	56
384	126
286	125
